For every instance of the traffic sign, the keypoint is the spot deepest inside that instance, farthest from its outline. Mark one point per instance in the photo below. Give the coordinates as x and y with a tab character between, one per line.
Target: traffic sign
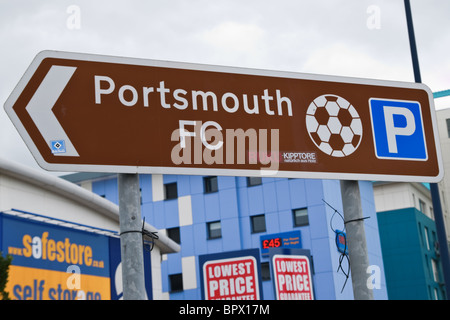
83	112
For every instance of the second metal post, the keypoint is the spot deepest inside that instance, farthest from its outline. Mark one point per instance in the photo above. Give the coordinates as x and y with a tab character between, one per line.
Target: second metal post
356	240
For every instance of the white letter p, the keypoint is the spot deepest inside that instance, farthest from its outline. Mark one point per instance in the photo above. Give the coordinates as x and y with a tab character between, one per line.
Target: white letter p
392	131
99	91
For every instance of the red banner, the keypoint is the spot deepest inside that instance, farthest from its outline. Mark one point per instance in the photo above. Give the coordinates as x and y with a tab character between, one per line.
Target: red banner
292	276
231	279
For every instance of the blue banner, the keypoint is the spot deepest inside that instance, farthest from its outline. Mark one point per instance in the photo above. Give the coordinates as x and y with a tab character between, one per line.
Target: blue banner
45	246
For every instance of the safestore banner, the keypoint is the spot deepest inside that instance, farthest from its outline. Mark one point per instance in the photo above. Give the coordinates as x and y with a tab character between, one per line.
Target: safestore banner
55	263
52	262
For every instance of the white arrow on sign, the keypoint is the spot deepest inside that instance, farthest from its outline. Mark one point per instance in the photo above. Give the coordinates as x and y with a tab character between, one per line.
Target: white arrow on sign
40	109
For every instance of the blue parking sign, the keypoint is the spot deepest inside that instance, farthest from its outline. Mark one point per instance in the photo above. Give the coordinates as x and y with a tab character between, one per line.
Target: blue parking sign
398	130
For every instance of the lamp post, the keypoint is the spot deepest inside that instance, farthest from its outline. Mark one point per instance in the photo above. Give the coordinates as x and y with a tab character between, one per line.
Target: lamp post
434	188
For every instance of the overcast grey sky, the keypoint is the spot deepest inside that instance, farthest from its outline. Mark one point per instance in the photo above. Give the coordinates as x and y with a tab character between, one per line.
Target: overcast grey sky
356	38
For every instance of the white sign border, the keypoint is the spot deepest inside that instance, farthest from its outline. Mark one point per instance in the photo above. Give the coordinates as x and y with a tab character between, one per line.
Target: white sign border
212	171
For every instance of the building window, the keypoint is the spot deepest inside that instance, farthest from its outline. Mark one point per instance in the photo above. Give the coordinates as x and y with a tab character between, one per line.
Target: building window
254	181
300	217
434	243
176	282
210	184
174	234
421	234
214	230
170	191
265	271
448	127
422	206
258	223
435	268
427	239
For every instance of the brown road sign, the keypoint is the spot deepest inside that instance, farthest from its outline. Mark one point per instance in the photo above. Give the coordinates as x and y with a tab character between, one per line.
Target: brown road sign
82	112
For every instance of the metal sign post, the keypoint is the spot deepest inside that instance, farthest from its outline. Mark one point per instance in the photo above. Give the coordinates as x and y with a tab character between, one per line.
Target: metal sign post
356	239
131	237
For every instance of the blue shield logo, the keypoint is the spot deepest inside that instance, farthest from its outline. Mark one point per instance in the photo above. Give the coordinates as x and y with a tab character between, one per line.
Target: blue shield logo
58	146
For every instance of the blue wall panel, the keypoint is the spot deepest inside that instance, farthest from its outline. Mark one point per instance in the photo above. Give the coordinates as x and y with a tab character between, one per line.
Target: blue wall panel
225	182
314	191
198	208
158	215
145	182
171	213
212	207
98	187
112	191
269	196
272	222
214	245
230	238
283	195
318	222
147	213
196	184
228	203
200	237
286	221
187	239
242	199
184	186
256	203
298	193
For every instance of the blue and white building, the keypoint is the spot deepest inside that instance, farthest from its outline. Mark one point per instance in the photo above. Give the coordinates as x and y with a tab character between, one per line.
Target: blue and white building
209	214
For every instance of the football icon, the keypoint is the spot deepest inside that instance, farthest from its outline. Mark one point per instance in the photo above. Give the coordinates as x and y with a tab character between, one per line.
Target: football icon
334	125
